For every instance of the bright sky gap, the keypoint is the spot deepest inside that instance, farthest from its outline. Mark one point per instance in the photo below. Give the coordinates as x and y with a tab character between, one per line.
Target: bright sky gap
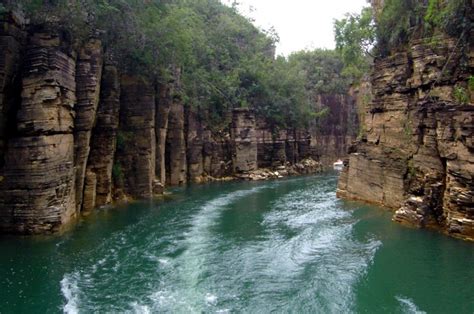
301	24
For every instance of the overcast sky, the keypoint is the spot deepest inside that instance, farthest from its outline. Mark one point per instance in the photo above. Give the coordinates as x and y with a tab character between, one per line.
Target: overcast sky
301	24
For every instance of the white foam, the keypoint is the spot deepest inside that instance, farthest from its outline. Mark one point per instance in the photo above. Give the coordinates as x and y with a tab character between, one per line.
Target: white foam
139	308
211	299
70	291
408	306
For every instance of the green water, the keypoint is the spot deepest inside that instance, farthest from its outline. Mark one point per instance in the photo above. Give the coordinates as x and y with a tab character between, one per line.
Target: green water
280	246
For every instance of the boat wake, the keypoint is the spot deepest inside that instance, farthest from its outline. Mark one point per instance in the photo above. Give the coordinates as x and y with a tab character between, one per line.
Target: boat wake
408	306
70	292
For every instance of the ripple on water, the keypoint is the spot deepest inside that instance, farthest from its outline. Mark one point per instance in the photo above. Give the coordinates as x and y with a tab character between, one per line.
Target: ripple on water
308	253
326	260
408	306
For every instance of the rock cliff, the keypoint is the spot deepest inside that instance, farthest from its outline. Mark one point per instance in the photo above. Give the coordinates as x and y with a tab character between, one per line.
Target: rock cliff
416	154
78	131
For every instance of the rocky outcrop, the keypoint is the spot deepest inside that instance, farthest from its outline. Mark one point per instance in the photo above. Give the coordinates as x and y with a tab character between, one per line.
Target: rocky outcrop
103	143
88	77
12	36
38	187
176	165
271	146
244	141
195	147
332	135
78	131
163	105
217	154
136	139
416	155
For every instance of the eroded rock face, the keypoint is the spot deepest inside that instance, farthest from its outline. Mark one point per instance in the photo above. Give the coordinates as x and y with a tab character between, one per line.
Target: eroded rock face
244	141
163	106
136	144
333	135
271	146
195	145
88	77
38	187
76	134
12	36
103	143
176	146
417	155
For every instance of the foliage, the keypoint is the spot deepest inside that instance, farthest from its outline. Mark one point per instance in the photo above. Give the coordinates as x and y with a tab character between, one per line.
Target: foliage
395	25
323	71
223	60
117	174
448	16
355	37
397	22
123	140
461	95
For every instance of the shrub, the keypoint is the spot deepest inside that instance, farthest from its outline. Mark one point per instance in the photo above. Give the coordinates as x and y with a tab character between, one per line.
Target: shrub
461	95
117	174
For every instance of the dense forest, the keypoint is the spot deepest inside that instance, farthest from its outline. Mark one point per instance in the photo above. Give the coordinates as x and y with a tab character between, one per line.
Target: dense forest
224	61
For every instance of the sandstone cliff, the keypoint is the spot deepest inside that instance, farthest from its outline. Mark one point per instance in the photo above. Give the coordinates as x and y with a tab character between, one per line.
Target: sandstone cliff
78	131
416	154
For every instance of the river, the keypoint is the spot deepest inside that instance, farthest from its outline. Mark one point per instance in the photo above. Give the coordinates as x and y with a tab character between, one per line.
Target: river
278	246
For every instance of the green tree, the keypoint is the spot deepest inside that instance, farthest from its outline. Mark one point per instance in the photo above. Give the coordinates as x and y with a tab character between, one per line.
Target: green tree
355	37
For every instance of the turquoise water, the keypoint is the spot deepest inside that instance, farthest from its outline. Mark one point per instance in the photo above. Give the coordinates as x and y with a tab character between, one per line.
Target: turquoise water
282	246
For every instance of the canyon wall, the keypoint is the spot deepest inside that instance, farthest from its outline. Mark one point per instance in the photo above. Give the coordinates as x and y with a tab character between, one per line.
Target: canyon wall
78	132
416	154
333	134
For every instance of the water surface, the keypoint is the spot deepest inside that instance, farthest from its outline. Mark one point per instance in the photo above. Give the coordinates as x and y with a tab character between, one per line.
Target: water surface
279	246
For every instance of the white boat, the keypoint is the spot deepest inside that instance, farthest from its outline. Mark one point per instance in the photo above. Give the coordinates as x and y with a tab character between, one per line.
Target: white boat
338	165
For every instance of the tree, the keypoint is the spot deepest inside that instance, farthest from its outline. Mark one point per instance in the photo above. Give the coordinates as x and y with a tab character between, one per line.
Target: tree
355	37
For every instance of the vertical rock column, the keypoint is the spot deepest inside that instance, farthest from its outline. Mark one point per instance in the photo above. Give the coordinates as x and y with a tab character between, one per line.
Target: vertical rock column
136	151
11	40
333	135
88	76
290	147
103	142
271	147
264	145
194	147
279	149
176	146
38	189
162	112
303	143
243	135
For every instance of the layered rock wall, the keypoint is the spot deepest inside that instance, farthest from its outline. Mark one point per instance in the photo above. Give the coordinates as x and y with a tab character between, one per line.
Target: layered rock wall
12	37
416	155
137	154
88	78
243	134
176	166
163	105
103	143
38	191
78	131
333	135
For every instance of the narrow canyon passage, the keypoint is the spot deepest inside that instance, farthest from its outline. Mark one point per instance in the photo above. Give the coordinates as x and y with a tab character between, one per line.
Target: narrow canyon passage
284	246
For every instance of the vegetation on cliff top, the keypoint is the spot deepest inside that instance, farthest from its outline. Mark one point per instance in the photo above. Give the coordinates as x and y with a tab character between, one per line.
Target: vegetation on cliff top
224	61
360	37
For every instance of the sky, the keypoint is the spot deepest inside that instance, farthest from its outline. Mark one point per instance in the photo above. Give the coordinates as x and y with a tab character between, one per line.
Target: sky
301	24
